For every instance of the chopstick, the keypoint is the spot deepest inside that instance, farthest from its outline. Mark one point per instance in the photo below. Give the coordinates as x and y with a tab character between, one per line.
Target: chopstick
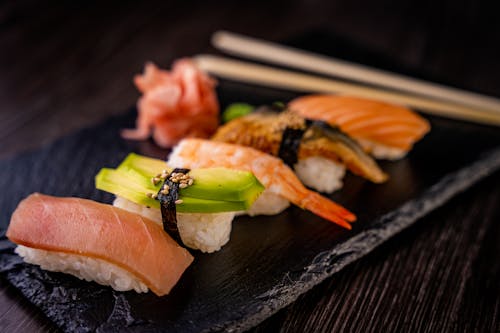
256	49
278	78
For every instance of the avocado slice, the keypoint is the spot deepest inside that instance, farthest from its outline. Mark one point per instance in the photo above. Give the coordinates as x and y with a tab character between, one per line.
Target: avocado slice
147	166
223	184
209	183
213	189
133	188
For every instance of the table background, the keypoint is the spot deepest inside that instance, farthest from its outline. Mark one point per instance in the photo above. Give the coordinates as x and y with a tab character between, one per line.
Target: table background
68	66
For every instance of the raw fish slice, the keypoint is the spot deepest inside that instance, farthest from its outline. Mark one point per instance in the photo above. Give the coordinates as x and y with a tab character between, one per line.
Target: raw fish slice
87	228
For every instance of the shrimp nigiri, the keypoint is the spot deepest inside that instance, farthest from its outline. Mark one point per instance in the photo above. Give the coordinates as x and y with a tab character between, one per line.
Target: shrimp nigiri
277	177
384	130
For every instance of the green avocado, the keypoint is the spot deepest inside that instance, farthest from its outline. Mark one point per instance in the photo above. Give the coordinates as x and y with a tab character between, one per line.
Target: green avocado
213	189
146	166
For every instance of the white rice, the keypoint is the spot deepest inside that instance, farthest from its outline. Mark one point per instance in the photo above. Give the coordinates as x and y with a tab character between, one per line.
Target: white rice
203	231
85	268
206	232
382	152
320	173
268	203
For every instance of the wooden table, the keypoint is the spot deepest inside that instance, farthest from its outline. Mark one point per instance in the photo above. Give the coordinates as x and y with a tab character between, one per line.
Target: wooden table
64	67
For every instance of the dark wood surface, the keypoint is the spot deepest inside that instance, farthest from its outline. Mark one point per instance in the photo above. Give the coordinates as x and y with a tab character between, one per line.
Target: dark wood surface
64	67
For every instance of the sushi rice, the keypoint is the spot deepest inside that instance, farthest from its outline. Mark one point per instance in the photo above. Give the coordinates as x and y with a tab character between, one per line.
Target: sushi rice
268	203
382	152
320	173
83	267
206	232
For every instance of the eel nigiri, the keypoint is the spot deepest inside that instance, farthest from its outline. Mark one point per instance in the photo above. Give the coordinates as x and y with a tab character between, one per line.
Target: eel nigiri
317	152
281	183
387	131
98	242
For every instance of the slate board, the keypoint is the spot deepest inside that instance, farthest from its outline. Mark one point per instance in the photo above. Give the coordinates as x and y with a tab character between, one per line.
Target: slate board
269	261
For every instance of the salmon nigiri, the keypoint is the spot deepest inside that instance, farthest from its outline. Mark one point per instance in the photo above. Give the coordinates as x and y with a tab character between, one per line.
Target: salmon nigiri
279	180
385	130
98	242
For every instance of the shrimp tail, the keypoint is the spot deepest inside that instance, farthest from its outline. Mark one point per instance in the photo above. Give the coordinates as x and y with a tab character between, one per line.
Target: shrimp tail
328	209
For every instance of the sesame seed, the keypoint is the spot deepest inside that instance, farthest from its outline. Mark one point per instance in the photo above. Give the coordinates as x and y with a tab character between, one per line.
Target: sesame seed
190	181
178	202
183	185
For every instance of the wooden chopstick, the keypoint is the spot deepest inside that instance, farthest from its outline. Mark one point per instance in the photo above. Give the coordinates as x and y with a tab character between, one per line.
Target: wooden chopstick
278	78
256	49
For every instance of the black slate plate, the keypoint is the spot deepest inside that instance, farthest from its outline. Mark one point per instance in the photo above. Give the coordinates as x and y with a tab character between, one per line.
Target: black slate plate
269	260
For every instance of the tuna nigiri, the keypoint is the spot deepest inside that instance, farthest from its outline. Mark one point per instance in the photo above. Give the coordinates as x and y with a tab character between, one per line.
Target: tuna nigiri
281	183
385	130
317	152
98	242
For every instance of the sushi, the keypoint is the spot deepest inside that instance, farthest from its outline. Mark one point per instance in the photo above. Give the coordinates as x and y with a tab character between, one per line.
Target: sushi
384	130
282	185
317	152
196	207
92	241
207	232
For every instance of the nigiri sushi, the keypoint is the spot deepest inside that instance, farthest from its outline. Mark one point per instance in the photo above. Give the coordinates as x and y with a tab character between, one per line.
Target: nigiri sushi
207	232
385	130
205	200
282	185
317	152
97	242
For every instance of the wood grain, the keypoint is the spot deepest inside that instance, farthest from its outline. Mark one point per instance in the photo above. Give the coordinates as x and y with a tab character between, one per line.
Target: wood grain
440	275
68	66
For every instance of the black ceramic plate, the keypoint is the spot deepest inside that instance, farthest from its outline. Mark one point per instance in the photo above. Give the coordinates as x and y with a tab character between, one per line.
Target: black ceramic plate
269	260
